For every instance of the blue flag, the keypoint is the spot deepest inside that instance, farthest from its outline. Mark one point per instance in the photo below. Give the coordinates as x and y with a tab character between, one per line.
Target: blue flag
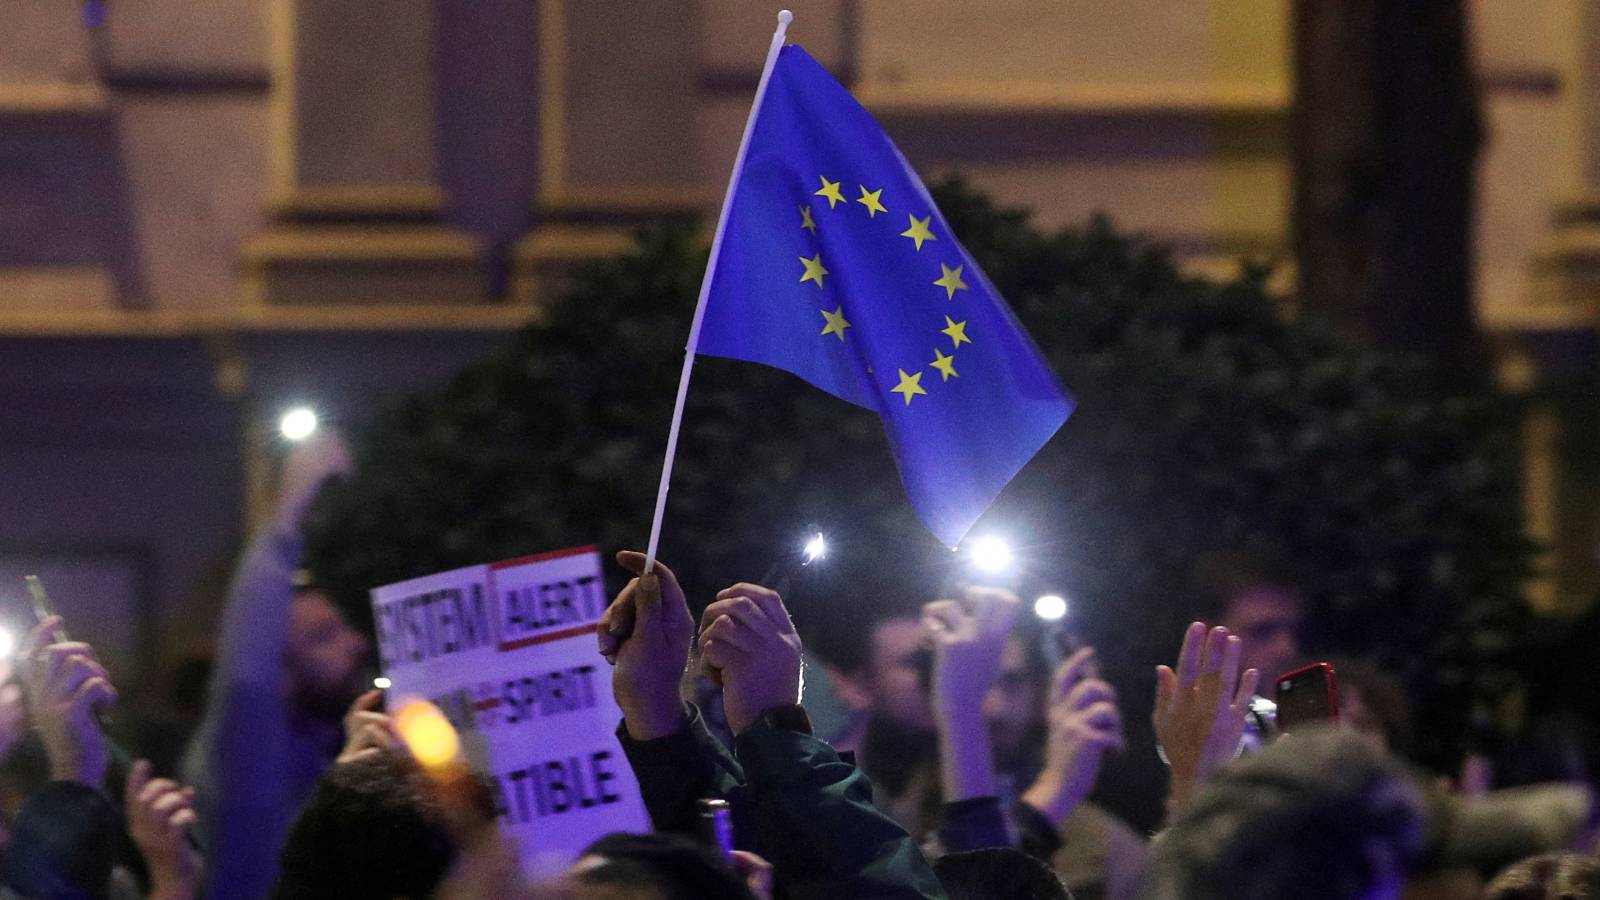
836	266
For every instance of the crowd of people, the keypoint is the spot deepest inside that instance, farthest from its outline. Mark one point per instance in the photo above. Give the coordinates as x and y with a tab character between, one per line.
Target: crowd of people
975	763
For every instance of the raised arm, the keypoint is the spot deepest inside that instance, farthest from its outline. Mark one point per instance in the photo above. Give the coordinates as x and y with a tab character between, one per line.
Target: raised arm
645	633
813	811
1200	709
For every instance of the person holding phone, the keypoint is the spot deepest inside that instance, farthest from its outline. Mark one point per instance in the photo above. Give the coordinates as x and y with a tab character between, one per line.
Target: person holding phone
288	666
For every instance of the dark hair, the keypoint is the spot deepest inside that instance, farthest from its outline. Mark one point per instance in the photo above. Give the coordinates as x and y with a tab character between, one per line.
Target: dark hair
1220	577
1383	695
998	873
669	866
1320	815
368	831
857	596
1551	876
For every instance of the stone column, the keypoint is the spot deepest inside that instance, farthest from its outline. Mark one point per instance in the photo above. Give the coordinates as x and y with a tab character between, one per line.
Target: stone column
355	199
620	96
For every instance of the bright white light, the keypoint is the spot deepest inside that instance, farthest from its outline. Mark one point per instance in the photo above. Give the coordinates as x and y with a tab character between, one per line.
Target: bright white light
816	548
382	683
298	424
1050	607
8	643
991	555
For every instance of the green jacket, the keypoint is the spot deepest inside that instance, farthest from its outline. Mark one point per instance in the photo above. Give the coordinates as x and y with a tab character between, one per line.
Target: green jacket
794	801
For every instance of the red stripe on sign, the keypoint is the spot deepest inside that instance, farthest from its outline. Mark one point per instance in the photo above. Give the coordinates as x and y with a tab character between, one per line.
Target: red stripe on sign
543	557
489	703
519	643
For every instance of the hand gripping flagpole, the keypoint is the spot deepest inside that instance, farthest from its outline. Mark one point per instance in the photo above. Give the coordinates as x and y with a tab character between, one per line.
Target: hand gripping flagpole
784	18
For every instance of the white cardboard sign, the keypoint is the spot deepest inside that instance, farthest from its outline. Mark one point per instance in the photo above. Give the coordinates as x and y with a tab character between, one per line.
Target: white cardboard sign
508	652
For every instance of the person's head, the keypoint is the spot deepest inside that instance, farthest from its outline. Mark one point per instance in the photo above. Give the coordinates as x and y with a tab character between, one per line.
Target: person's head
651	867
873	644
371	831
998	873
1374	705
1014	707
1551	876
326	659
1318	815
1260	602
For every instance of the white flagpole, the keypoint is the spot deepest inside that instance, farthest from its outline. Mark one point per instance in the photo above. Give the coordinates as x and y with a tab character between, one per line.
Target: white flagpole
784	18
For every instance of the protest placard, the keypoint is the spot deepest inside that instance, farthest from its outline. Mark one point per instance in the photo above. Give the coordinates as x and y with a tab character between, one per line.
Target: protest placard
508	652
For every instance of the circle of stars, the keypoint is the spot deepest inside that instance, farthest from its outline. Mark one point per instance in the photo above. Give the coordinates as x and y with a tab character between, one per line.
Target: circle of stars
919	232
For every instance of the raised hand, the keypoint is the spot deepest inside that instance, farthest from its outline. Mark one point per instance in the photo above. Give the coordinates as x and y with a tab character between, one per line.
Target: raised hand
969	640
308	464
160	814
645	633
1200	709
747	639
369	732
1084	723
66	687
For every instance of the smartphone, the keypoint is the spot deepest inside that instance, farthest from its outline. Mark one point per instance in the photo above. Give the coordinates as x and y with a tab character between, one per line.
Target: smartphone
1307	696
42	609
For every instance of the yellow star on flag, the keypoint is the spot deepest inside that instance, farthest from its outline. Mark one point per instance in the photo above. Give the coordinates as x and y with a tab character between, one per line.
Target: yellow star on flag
836	322
956	330
869	199
909	386
951	281
814	270
919	230
945	364
806	221
830	190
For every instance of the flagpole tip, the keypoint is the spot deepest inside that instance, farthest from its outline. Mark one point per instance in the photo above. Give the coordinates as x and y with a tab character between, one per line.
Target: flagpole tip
785	17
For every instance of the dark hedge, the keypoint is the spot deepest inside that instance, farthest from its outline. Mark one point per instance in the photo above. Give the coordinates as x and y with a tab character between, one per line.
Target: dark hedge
1208	419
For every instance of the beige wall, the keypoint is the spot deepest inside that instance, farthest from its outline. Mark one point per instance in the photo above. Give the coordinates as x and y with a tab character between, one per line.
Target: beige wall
278	166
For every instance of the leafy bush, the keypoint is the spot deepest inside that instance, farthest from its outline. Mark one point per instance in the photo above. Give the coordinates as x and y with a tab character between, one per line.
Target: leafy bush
1207	420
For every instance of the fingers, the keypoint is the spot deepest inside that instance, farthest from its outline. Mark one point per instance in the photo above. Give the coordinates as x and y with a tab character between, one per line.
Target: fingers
720	653
617	622
994	608
943	619
741	609
1071	672
766	599
1166	689
1216	648
157	806
40	636
1089	692
94	694
1232	646
58	660
1189	656
659	599
138	778
726	630
1247	689
1101	714
757	873
365	703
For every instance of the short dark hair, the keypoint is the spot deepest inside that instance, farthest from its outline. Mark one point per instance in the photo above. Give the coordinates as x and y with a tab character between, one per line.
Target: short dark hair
1549	876
1320	815
998	873
859	595
668	866
368	831
1220	577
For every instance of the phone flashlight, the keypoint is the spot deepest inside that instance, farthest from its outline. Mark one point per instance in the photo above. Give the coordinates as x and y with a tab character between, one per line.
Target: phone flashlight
298	423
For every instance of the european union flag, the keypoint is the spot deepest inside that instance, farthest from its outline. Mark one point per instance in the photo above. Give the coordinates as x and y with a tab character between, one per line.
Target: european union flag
836	266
